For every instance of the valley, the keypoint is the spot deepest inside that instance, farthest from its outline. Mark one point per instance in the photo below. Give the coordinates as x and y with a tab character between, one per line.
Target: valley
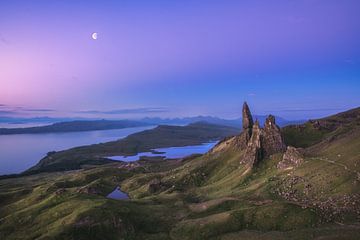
244	187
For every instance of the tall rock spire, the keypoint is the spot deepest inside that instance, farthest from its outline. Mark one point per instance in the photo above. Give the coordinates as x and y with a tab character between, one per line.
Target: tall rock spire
247	119
272	138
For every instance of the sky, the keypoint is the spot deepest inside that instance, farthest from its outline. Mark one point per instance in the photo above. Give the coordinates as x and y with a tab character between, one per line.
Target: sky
295	59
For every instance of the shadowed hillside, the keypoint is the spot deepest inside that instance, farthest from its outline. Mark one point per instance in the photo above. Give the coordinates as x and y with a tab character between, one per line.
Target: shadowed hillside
253	185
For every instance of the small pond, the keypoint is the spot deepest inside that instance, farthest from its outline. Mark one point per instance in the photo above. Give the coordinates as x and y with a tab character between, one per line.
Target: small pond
118	194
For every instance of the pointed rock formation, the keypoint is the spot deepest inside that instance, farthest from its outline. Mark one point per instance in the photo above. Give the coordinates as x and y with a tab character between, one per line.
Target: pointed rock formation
272	140
254	142
253	151
247	120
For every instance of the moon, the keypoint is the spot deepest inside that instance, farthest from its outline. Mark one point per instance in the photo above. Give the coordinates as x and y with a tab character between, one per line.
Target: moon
94	35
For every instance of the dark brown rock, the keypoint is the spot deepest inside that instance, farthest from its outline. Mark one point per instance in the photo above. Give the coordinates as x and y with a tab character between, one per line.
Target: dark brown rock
253	152
272	140
247	119
254	142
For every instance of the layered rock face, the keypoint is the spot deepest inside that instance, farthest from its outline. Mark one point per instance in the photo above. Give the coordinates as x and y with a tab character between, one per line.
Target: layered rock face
247	119
253	152
291	158
259	143
256	143
272	140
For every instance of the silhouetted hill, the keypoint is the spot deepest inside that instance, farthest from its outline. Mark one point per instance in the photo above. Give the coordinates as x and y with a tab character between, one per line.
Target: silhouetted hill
74	126
215	120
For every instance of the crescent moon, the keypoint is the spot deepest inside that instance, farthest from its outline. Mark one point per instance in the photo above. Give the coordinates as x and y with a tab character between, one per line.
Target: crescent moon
94	35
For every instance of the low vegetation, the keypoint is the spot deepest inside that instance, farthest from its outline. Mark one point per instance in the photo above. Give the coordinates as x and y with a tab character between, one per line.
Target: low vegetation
212	196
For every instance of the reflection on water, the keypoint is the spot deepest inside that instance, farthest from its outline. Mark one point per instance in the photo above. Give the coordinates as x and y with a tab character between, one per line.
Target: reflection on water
171	152
21	151
118	194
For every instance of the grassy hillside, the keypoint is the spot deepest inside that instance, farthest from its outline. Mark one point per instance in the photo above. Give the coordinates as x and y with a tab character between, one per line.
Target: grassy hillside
314	131
211	196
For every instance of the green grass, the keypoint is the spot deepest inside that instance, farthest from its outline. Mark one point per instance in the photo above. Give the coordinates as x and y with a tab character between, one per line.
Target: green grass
204	197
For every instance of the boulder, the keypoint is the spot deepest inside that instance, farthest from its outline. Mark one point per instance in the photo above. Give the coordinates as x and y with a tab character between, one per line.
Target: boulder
291	158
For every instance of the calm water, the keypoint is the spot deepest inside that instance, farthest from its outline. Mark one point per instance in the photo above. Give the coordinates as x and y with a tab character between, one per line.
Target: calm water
118	194
171	152
19	152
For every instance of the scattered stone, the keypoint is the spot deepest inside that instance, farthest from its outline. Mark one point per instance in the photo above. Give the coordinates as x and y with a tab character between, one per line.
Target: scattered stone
88	190
60	191
291	158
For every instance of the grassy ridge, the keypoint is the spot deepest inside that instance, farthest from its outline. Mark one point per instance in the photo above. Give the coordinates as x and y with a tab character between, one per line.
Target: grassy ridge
74	126
211	196
314	131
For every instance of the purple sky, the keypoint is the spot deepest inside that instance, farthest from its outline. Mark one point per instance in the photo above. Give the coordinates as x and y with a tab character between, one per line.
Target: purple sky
296	59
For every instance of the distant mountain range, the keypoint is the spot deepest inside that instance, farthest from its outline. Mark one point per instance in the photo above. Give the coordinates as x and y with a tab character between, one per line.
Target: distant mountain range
70	125
215	120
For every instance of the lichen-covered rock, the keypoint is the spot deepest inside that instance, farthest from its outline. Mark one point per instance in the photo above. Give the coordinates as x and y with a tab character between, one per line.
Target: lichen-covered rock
255	143
272	140
291	158
253	153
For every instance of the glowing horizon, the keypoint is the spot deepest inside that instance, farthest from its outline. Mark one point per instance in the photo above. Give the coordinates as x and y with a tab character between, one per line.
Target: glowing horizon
186	58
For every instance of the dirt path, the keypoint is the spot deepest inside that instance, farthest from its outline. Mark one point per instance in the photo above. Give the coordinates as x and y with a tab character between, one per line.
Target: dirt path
338	164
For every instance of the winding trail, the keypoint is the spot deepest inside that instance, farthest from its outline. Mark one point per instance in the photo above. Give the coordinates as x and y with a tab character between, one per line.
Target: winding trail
336	163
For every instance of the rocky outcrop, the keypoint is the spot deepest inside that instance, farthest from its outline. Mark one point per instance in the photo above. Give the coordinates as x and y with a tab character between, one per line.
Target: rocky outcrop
253	151
247	120
259	143
256	143
291	158
272	140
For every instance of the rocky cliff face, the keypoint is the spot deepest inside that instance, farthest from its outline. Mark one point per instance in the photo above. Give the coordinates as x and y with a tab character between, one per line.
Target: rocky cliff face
291	158
247	119
263	142
272	140
257	143
253	151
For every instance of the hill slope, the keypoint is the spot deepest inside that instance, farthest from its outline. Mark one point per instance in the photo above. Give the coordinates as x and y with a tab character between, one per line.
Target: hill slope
236	191
314	131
